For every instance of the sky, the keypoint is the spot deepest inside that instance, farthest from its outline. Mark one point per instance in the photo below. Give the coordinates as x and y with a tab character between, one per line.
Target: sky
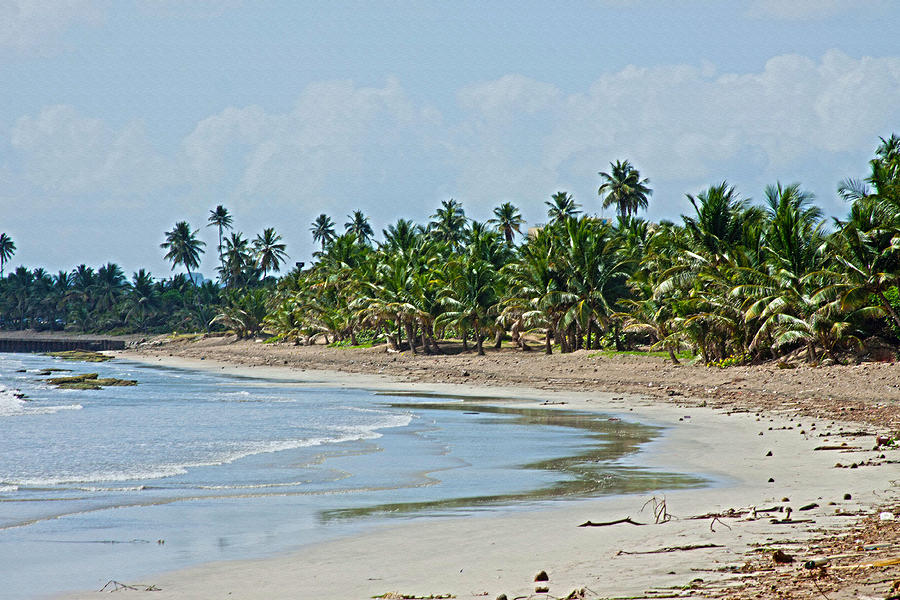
120	117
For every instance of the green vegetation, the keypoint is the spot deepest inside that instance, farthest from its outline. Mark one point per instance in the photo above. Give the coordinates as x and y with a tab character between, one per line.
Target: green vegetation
733	282
7	250
105	301
682	355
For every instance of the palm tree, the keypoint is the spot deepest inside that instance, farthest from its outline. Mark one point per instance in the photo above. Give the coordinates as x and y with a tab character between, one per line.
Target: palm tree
448	223
359	225
238	261
142	299
469	297
561	207
624	187
221	219
269	251
322	230
7	250
401	236
110	285
183	247
717	226
508	220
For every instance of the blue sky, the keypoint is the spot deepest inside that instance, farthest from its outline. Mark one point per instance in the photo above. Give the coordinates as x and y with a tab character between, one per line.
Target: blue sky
118	118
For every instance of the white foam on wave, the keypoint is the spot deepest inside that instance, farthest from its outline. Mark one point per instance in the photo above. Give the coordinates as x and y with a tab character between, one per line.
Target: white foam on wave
13	405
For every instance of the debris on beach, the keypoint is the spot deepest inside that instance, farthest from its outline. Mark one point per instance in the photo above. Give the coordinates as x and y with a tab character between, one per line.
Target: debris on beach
399	596
114	586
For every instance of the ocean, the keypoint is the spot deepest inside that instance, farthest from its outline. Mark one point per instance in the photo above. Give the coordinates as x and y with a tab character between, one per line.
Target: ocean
193	466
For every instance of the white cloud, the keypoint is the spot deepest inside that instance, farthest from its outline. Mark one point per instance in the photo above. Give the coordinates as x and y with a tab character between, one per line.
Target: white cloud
805	10
66	153
683	123
335	130
25	24
343	146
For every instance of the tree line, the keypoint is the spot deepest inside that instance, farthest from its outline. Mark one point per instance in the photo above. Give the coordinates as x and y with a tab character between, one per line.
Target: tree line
734	281
104	300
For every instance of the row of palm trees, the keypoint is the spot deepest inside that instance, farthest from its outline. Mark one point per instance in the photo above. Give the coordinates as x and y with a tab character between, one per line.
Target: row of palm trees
733	281
103	299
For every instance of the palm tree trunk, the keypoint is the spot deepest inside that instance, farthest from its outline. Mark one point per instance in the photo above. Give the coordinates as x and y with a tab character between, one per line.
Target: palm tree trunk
409	338
498	339
890	309
479	340
672	355
432	340
465	334
548	346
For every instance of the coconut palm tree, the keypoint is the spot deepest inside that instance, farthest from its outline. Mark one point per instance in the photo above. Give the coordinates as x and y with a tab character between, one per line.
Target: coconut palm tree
269	251
561	207
624	188
219	217
322	230
142	299
359	225
448	224
402	236
716	228
183	247
7	250
469	297
508	220
239	263
109	287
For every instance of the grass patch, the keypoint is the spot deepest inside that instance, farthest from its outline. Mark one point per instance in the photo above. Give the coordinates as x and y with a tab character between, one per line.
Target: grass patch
346	344
80	355
683	355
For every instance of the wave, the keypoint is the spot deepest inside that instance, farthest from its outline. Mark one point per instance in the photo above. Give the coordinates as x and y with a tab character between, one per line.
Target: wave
13	404
239	450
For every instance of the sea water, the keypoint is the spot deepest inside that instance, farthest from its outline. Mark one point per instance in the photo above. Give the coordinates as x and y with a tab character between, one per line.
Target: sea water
194	466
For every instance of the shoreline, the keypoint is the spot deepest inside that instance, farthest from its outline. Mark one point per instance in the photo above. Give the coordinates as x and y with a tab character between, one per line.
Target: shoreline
501	553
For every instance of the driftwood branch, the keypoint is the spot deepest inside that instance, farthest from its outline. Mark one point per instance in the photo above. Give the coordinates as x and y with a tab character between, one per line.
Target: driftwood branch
673	549
616	522
115	586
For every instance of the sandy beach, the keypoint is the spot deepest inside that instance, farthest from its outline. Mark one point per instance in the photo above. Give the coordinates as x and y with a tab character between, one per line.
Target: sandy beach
759	448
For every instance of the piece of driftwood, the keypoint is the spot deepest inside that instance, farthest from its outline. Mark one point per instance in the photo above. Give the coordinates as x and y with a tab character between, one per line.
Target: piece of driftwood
887	562
115	586
672	549
616	522
790	521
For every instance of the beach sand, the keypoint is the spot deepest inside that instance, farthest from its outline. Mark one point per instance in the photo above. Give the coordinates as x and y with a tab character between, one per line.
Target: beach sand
756	458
